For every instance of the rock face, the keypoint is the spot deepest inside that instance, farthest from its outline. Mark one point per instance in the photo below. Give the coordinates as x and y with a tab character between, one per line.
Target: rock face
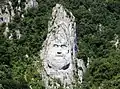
8	11
59	51
31	3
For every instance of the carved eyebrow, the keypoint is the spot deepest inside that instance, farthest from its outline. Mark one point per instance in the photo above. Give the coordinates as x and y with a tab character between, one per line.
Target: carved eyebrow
63	45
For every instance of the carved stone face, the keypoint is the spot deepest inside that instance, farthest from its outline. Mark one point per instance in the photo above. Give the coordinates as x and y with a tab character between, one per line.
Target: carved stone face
58	54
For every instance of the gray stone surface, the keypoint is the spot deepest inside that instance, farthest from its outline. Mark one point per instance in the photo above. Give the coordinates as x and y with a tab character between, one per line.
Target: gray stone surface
7	12
59	51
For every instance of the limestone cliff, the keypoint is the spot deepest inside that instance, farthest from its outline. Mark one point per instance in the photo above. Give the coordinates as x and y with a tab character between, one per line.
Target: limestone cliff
59	51
8	10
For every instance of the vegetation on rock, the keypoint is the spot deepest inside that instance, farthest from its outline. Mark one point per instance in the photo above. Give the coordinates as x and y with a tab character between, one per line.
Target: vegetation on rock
98	28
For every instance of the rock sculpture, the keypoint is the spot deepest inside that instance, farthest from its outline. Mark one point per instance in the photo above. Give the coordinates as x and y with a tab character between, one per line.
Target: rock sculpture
59	51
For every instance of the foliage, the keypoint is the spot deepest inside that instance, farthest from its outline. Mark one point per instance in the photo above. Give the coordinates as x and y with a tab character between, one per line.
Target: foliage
104	73
98	23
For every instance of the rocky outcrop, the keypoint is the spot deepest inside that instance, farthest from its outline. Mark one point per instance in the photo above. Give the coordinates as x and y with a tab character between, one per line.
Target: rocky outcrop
31	3
8	11
59	51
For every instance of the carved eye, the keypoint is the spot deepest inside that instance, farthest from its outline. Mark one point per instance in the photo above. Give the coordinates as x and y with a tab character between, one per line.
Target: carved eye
63	46
49	66
55	45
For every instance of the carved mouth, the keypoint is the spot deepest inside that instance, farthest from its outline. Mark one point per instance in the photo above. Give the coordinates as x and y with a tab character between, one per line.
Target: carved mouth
59	55
63	68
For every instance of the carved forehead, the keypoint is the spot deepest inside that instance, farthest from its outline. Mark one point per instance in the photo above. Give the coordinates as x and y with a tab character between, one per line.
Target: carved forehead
60	41
61	38
59	34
